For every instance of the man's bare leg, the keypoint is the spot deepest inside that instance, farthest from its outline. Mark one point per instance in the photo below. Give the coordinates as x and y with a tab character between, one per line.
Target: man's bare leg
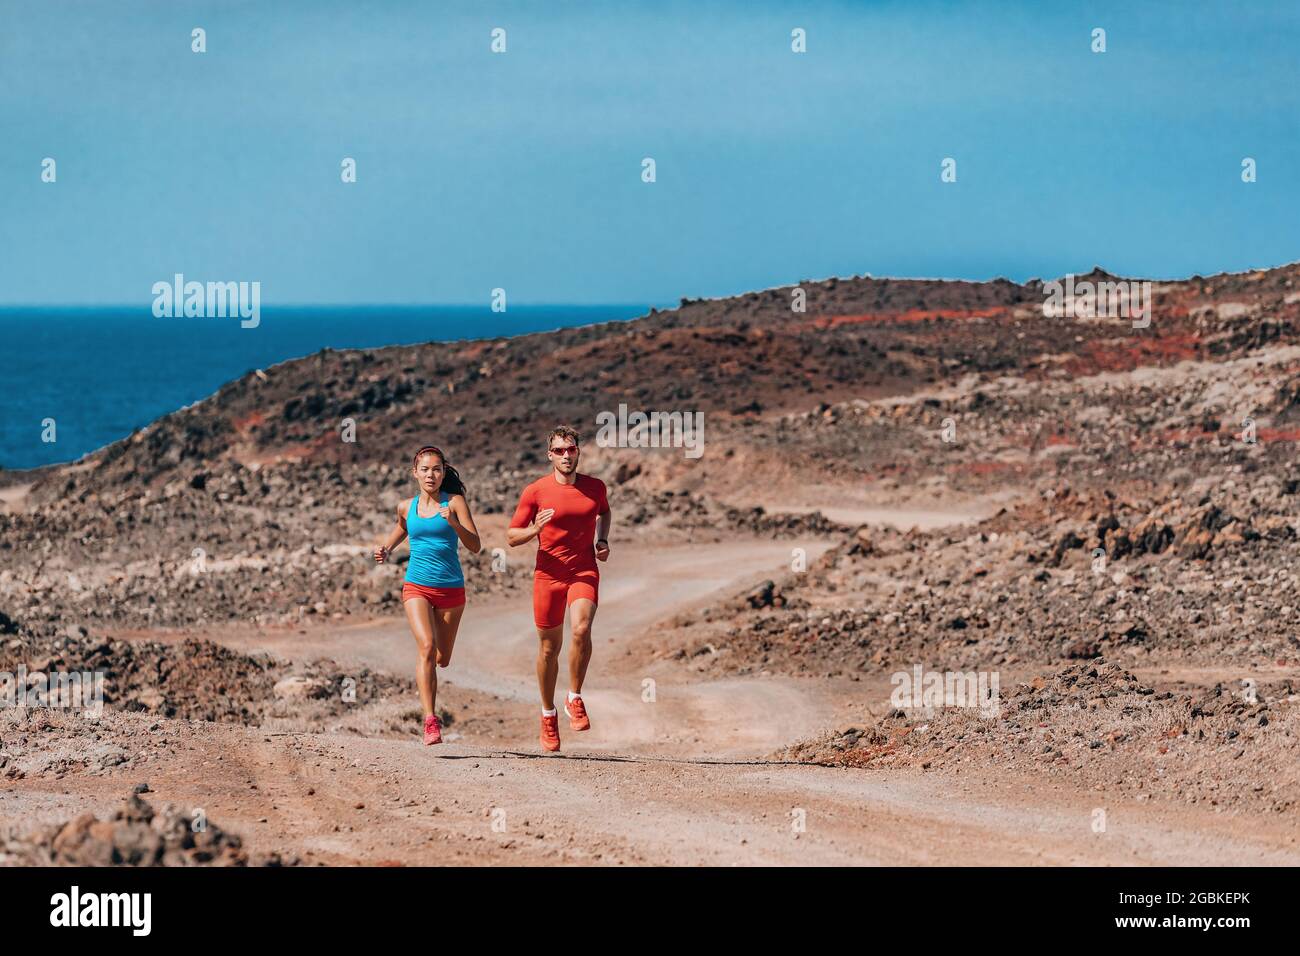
550	640
582	613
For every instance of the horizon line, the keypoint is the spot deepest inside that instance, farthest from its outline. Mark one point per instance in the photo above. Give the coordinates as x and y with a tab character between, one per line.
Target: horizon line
339	305
683	300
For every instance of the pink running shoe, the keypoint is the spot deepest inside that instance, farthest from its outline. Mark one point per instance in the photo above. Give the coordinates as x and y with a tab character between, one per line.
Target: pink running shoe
432	730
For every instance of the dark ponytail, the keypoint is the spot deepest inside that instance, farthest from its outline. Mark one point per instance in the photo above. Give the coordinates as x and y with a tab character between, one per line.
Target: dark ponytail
451	480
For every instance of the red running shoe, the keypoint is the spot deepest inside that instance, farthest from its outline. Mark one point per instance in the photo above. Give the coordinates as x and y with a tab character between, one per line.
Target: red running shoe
577	712
550	732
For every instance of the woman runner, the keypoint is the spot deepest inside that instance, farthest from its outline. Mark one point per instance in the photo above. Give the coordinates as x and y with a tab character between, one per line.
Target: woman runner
437	520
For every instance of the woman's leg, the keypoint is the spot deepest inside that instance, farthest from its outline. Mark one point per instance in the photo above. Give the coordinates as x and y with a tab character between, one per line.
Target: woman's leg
446	622
417	615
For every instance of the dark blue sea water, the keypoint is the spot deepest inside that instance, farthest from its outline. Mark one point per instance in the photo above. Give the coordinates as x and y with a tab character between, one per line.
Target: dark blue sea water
102	373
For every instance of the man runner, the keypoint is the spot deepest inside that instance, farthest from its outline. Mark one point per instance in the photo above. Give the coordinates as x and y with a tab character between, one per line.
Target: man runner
563	511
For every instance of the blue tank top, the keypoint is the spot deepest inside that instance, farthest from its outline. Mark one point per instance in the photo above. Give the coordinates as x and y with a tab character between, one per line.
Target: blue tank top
434	561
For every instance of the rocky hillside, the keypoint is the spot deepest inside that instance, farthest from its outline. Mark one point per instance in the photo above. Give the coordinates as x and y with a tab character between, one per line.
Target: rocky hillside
1092	434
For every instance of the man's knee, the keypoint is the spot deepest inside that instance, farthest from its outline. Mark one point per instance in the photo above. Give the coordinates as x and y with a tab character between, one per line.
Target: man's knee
548	647
581	630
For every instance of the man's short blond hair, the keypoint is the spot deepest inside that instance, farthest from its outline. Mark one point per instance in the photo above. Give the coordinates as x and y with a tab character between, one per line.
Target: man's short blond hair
563	431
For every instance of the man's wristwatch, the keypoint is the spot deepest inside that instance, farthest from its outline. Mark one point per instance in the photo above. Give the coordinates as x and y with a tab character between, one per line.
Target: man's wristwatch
605	540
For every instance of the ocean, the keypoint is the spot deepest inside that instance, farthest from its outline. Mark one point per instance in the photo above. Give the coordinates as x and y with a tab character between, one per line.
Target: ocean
101	373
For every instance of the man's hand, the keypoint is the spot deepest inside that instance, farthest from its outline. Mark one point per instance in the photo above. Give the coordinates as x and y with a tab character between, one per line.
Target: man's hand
543	516
602	550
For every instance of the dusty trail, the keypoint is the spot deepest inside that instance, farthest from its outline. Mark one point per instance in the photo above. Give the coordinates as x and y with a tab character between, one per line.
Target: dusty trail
497	646
680	780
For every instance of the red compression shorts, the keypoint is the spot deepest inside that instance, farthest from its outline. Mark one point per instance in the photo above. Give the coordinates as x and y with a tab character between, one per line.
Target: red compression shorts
440	599
552	596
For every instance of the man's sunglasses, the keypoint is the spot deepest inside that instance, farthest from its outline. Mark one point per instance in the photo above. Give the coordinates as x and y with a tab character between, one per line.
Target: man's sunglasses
565	450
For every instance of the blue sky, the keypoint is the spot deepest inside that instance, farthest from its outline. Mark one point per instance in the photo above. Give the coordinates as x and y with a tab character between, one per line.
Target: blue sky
522	170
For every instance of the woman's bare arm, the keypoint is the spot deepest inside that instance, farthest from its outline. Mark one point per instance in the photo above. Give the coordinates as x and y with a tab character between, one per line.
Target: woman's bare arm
394	537
462	522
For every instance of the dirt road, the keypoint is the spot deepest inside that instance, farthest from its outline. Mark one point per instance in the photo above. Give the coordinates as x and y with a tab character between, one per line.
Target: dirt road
673	776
